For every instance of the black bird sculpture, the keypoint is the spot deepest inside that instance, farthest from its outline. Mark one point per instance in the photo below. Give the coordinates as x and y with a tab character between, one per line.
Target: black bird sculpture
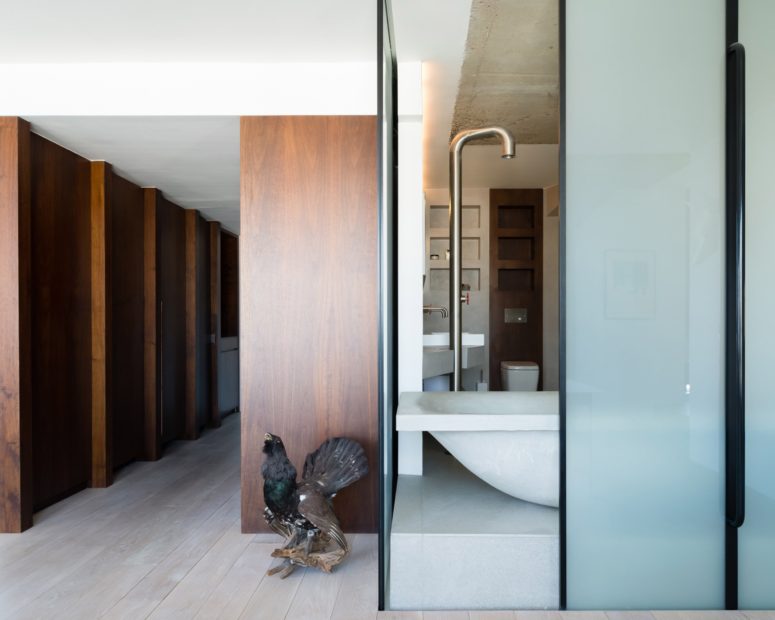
302	512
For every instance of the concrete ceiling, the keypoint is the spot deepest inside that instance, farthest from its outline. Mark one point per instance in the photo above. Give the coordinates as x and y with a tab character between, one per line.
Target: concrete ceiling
513	44
510	74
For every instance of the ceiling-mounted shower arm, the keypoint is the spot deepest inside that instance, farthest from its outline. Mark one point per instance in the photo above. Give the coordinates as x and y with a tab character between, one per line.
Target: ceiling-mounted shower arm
455	234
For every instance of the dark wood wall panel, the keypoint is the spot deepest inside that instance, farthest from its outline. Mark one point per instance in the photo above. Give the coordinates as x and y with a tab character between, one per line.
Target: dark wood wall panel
229	285
516	278
308	296
61	310
197	323
151	382
126	301
101	313
16	486
203	332
171	304
215	319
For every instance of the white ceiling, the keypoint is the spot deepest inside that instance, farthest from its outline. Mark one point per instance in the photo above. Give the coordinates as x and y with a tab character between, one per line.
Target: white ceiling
188	31
193	160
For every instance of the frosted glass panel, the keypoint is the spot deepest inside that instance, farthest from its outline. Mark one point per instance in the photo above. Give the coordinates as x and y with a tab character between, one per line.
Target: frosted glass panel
757	536
644	304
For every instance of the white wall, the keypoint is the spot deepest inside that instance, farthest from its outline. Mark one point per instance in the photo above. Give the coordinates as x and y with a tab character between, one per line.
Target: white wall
476	315
411	224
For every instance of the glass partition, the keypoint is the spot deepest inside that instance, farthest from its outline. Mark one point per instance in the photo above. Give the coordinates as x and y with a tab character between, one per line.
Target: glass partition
757	535
644	267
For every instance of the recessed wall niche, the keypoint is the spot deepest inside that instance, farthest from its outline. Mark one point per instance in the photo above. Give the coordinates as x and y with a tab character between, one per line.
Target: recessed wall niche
470	247
439	217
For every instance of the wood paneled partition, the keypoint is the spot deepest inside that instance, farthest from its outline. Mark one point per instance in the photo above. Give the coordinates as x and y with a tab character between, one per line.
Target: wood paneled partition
197	324
308	297
214	229
15	327
61	321
101	327
126	238
516	279
165	321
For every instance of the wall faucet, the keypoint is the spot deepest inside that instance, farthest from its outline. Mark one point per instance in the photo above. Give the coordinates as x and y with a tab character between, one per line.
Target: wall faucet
455	234
440	309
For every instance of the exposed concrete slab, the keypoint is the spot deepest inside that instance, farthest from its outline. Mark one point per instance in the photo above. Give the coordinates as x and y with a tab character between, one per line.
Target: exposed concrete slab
510	73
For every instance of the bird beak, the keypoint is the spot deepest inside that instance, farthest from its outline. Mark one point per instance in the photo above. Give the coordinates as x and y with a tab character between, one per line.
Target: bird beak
267	437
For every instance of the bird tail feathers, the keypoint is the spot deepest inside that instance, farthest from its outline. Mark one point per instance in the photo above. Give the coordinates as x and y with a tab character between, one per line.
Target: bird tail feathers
337	463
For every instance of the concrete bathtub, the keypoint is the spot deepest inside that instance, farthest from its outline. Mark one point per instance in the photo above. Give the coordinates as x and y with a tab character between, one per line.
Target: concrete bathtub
508	439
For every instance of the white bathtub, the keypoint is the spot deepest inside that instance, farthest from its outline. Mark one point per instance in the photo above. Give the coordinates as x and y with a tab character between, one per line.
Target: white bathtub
508	439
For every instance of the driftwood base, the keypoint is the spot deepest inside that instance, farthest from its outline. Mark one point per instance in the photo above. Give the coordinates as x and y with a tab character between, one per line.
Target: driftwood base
302	548
294	557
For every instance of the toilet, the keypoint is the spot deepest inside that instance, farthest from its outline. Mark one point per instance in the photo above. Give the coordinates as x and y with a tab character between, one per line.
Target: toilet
519	376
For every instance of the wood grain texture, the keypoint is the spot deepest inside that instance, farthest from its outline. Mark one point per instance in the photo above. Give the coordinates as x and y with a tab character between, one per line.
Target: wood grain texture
203	353
101	391
197	281
191	427
61	320
127	308
308	297
16	484
229	285
152	424
215	319
516	277
171	309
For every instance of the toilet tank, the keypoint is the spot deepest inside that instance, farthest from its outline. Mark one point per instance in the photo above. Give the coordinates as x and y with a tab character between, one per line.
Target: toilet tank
519	376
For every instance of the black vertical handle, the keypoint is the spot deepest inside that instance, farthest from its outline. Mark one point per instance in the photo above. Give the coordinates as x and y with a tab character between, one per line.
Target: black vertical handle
735	286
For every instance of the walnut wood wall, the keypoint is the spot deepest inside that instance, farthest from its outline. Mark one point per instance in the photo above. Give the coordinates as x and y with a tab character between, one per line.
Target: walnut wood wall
165	279
197	323
101	313
171	304
308	297
151	383
15	327
61	321
214	230
516	277
126	303
229	285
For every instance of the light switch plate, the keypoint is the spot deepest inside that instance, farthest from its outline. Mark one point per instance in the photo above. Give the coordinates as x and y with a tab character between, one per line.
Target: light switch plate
515	315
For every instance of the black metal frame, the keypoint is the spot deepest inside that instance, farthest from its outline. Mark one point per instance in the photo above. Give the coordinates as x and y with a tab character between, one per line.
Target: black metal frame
562	302
734	366
387	289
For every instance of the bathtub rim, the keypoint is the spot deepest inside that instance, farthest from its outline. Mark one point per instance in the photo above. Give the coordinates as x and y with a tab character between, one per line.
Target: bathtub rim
430	411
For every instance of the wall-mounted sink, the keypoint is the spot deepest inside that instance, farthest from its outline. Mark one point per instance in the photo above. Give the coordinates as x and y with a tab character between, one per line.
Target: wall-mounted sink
437	358
436	361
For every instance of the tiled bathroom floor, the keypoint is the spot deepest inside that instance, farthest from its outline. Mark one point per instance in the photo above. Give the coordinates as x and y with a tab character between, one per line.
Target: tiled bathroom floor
164	542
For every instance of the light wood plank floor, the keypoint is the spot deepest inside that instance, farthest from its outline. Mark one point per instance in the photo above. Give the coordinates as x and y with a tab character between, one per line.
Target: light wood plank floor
164	542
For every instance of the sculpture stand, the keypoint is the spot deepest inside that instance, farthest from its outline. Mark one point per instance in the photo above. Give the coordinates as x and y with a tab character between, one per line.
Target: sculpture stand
302	548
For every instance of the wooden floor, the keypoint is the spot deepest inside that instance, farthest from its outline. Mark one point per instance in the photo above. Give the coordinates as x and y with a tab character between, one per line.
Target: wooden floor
164	542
